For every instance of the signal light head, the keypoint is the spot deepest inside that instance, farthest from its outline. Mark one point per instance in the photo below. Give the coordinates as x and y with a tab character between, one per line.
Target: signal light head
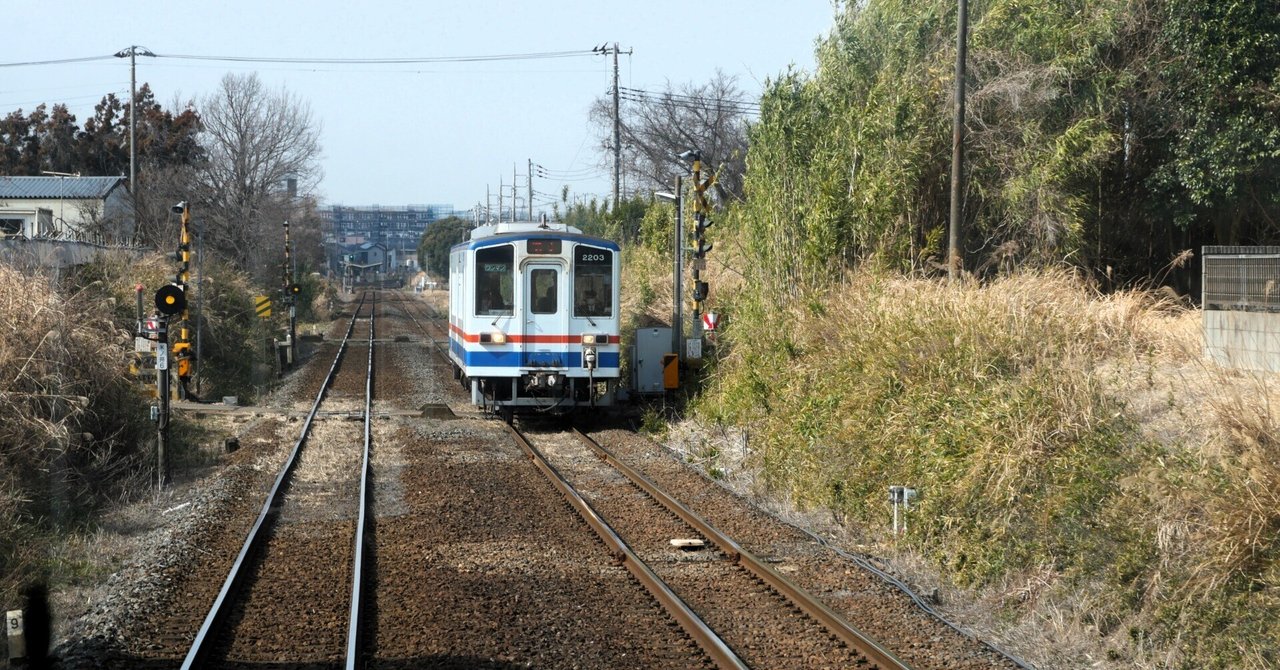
171	299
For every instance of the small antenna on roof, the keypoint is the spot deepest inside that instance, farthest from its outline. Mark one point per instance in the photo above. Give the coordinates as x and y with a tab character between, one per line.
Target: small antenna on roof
544	225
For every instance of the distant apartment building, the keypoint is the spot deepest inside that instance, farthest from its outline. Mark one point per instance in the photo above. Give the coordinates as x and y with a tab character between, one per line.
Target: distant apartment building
397	229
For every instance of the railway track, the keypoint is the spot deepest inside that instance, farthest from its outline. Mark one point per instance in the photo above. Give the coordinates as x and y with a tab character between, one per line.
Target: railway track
479	561
741	612
288	554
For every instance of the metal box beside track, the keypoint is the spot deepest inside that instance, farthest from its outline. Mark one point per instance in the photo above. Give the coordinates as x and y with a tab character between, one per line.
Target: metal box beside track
651	345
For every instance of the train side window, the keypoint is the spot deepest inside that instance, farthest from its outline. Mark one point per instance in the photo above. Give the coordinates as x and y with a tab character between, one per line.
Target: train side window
495	272
592	282
543	283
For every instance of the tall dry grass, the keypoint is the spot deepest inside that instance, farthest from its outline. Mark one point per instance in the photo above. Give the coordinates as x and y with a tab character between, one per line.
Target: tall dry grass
1080	466
70	421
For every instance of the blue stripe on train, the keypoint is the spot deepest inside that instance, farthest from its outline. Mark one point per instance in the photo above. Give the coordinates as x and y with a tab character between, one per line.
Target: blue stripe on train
518	359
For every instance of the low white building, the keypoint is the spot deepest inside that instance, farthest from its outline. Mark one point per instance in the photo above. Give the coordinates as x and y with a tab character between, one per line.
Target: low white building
86	209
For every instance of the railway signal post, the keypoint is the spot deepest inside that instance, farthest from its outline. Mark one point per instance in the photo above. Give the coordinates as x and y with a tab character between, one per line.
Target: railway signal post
171	300
182	357
291	291
701	290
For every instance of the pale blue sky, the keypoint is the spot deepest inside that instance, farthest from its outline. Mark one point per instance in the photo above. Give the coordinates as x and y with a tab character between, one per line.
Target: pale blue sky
421	133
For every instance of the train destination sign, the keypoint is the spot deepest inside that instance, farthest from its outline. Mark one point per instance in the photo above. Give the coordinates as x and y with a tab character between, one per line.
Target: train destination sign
543	247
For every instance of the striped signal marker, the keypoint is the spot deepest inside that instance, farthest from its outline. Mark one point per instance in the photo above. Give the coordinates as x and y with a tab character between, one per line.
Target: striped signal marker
262	305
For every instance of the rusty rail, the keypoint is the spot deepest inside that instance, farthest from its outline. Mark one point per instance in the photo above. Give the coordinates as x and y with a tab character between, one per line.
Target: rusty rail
832	621
720	653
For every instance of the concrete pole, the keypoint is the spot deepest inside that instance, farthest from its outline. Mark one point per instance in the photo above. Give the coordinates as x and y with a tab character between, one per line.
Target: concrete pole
957	147
617	134
677	301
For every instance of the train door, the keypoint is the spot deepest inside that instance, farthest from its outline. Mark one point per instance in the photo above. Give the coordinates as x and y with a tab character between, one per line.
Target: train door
546	316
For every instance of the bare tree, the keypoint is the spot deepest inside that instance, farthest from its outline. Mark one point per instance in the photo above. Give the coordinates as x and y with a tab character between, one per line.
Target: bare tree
656	127
257	140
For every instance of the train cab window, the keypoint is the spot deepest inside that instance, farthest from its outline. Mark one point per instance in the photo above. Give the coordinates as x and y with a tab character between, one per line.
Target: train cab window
543	283
495	272
592	282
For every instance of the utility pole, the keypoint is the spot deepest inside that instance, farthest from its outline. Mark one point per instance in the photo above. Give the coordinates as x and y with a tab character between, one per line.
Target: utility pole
617	133
513	193
957	147
530	189
677	305
617	120
133	52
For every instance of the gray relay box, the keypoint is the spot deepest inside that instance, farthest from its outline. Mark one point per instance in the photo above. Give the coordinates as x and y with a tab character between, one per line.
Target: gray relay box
651	345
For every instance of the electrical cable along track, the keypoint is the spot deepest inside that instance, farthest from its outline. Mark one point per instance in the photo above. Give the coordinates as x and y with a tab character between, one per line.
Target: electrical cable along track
294	592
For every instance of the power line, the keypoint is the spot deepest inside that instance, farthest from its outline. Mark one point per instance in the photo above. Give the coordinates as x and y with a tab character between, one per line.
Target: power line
689	101
61	61
538	55
741	108
385	61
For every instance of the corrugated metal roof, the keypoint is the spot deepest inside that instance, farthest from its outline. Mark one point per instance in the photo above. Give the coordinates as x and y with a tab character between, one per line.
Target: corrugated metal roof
57	187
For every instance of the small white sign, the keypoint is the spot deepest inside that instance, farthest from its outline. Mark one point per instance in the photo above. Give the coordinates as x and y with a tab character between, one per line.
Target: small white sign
162	356
142	345
693	348
17	638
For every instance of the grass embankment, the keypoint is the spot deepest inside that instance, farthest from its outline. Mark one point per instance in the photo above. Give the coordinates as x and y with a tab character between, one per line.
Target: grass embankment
70	421
1079	466
74	429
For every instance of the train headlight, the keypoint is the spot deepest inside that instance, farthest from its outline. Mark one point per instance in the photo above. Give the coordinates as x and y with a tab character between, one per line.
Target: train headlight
496	337
592	338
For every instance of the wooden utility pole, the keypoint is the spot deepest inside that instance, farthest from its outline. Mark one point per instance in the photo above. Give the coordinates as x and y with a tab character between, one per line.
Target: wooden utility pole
530	189
957	148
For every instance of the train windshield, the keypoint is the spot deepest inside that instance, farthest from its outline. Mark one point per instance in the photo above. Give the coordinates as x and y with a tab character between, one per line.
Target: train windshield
592	282
495	273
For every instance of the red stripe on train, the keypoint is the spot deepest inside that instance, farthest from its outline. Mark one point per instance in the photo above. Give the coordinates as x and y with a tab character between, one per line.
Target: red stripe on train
530	339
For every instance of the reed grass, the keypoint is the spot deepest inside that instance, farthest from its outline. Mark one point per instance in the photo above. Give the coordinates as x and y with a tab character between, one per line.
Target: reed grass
1082	469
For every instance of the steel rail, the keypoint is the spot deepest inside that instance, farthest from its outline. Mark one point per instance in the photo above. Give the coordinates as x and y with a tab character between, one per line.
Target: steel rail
357	571
720	653
439	345
200	647
830	619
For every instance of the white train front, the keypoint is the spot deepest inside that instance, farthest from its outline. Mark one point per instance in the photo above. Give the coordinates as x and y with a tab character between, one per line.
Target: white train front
533	317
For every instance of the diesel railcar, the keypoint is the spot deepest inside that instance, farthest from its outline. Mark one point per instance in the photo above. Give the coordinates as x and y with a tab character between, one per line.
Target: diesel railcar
534	318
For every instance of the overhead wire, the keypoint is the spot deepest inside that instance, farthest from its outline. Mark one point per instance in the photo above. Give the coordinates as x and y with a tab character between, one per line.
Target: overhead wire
386	61
688	102
687	98
698	106
60	61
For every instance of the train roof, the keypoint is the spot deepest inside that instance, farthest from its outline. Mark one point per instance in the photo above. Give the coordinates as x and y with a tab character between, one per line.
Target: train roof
501	233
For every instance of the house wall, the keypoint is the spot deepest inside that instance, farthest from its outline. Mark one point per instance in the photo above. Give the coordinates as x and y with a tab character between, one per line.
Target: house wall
69	214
